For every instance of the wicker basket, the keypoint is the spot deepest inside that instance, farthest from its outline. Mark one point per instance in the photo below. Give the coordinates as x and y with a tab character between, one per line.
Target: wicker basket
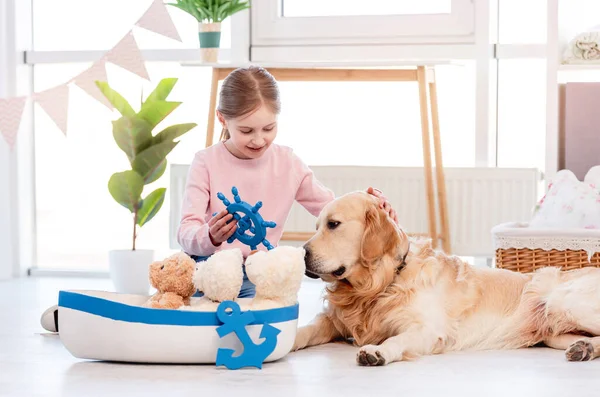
522	249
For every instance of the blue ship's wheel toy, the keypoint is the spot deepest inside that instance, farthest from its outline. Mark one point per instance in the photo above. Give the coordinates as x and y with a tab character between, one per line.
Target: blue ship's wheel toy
251	221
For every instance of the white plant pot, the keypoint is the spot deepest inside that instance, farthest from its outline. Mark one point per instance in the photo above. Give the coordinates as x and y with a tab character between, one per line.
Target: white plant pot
129	270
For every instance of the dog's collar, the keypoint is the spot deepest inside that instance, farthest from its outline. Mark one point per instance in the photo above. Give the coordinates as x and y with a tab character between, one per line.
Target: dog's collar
403	263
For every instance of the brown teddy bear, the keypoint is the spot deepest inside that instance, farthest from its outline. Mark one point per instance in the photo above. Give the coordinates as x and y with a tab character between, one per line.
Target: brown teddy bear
172	277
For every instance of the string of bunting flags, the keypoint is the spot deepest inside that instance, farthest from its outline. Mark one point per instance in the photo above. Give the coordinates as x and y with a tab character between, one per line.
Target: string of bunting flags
55	101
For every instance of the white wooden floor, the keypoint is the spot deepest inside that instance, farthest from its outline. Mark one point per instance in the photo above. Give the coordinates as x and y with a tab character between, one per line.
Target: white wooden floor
35	363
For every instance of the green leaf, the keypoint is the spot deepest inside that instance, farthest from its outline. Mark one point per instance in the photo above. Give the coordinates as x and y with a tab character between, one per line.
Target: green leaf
222	11
237	8
192	7
162	90
133	135
228	8
157	173
196	14
126	188
203	15
196	10
172	132
149	161
204	9
155	112
213	10
150	206
210	10
116	99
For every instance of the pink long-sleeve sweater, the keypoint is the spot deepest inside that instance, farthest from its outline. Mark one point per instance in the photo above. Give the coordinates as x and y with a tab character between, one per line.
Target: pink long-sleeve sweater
277	178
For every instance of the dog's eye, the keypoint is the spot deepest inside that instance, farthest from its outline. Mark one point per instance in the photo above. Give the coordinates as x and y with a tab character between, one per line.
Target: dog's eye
333	224
162	267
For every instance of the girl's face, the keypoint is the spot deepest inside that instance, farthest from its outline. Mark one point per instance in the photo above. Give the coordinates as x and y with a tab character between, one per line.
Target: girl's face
252	134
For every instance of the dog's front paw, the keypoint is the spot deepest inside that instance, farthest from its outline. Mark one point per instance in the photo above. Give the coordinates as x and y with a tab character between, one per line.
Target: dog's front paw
370	356
581	350
302	338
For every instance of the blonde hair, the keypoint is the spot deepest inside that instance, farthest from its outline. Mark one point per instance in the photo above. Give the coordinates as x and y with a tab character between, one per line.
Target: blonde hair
245	90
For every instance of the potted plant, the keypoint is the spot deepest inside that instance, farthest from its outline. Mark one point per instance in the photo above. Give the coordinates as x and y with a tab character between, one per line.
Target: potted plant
146	152
210	14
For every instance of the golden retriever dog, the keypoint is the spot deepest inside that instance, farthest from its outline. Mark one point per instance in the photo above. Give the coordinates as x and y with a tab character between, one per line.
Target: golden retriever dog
397	298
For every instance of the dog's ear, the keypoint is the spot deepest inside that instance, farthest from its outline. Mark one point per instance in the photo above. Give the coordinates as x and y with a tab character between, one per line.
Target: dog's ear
380	235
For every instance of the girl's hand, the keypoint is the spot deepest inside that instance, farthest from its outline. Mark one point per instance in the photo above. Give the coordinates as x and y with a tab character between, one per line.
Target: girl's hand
384	203
220	230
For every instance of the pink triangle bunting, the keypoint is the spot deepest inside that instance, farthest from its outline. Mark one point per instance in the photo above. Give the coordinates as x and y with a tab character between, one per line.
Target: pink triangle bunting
127	55
55	103
11	111
158	20
87	82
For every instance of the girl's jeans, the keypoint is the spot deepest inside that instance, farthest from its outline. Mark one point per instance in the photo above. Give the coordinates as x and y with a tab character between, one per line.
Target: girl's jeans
248	289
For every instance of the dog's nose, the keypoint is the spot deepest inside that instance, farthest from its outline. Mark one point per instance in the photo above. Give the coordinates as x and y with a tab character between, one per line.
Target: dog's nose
307	255
308	261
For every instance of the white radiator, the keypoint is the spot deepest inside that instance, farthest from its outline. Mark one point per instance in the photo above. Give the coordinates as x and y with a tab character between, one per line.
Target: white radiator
478	199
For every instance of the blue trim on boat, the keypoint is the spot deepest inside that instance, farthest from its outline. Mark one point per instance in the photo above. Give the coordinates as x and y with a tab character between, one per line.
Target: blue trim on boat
136	314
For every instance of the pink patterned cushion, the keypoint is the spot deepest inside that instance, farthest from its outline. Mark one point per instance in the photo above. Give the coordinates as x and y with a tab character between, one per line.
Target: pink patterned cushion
570	203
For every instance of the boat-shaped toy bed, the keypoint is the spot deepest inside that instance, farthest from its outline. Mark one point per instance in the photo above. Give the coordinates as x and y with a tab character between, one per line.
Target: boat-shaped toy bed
109	326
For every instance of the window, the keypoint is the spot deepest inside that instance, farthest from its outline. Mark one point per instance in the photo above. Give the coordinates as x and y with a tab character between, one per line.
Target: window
522	22
316	8
521	105
293	22
522	113
99	28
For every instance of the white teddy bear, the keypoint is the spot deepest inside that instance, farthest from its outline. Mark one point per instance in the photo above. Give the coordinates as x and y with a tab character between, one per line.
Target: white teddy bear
277	275
220	277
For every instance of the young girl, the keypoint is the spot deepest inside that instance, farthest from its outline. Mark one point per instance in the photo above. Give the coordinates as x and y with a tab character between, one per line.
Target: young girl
247	158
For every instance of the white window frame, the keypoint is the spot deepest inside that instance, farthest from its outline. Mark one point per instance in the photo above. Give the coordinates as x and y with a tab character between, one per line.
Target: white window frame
8	159
269	27
17	183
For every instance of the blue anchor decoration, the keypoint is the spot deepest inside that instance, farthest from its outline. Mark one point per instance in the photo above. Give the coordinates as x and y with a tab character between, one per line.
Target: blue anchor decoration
253	355
252	221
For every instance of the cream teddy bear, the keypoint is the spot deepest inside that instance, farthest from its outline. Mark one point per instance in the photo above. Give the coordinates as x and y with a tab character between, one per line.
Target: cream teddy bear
220	277
277	275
